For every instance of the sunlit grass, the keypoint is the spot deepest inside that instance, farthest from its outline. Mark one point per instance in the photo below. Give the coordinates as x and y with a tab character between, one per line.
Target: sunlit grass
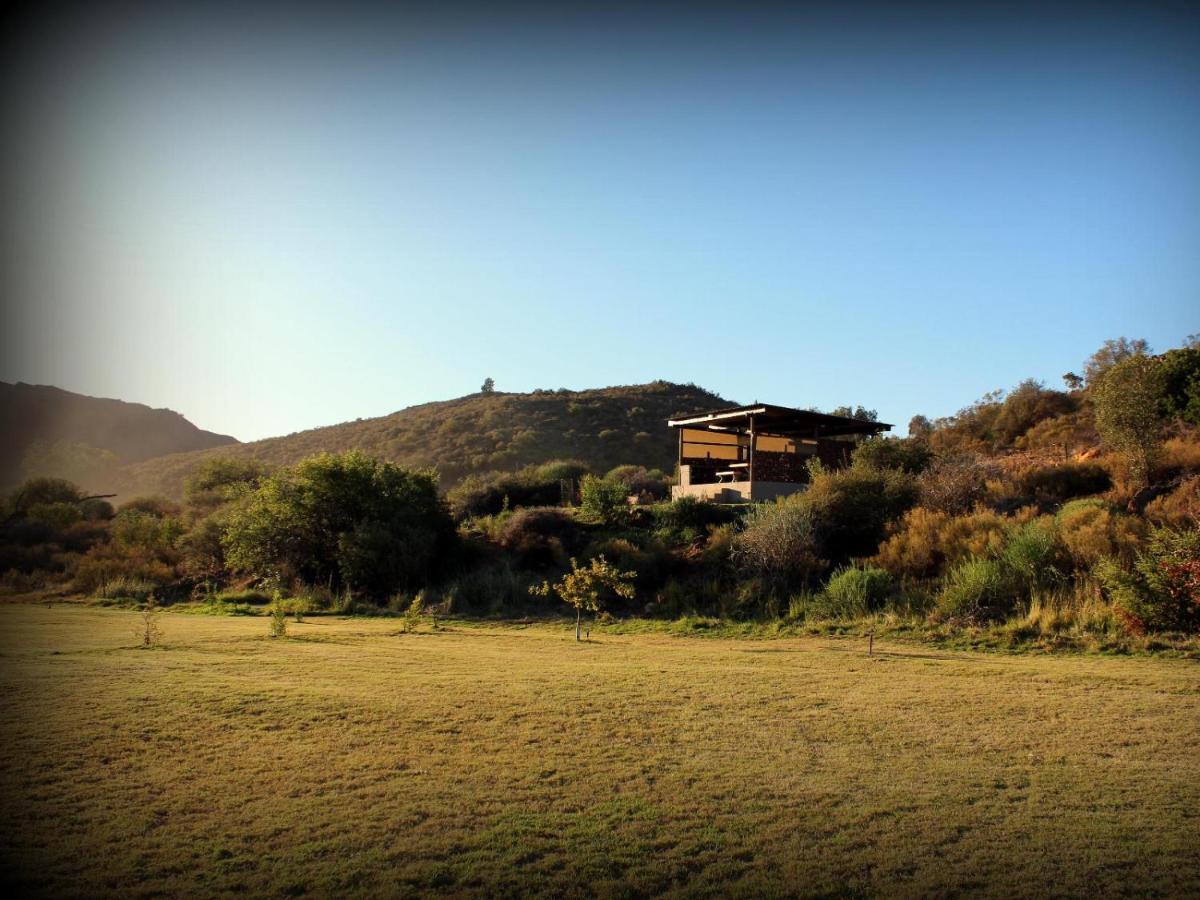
352	757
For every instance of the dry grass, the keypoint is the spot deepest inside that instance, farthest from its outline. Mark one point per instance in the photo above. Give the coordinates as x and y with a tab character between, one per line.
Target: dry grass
352	758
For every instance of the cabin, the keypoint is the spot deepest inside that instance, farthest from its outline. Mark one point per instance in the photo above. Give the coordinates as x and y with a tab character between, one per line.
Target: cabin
760	452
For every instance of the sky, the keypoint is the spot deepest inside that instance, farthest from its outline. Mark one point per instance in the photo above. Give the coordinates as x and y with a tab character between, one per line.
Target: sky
277	220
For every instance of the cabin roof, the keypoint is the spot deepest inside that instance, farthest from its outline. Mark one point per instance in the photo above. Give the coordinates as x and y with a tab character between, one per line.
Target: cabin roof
779	420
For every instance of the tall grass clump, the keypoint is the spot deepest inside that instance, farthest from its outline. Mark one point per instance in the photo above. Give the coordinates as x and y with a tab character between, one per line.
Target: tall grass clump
853	592
977	589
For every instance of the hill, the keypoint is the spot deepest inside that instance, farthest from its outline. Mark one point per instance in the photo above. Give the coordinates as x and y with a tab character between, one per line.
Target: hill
63	433
481	432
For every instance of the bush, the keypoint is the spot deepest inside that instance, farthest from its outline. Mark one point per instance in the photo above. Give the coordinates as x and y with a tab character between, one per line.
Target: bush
853	592
955	484
1031	555
1064	482
926	541
976	590
852	508
491	588
133	527
640	481
42	490
546	484
538	536
605	501
1092	530
96	509
216	482
343	520
780	540
155	507
905	454
55	516
689	517
107	563
125	588
1162	593
1178	509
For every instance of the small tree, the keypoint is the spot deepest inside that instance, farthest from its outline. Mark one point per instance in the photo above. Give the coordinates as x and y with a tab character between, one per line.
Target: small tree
1126	397
584	587
278	617
488	386
148	632
603	499
413	612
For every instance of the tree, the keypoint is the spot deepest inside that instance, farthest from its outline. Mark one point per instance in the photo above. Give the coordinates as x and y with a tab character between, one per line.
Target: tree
1181	384
1111	353
856	412
920	427
1072	381
488	386
344	519
1126	397
585	587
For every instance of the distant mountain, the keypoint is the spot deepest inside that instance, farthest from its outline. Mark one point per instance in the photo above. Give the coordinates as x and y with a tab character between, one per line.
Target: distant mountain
481	432
57	432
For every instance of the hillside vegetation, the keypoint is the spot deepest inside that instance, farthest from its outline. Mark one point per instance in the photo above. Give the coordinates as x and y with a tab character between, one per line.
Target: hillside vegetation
49	431
1032	517
479	433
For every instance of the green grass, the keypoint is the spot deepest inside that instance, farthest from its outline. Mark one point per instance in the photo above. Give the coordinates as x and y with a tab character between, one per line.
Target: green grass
350	757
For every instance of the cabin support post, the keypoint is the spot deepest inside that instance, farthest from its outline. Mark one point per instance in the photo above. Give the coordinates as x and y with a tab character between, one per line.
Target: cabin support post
750	468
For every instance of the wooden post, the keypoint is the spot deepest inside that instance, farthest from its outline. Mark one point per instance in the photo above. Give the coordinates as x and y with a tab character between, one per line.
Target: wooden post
751	460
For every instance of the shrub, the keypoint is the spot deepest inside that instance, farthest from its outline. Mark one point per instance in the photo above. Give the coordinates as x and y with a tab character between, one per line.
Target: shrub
133	527
56	516
954	484
105	563
123	587
1162	593
976	589
851	508
925	541
1092	530
1178	509
96	509
1064	482
689	517
42	490
854	591
156	507
779	539
543	535
489	588
216	482
603	500
1031	555
640	481
345	520
905	454
546	484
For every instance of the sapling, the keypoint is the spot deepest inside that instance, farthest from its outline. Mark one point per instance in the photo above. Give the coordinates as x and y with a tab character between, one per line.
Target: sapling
584	587
148	631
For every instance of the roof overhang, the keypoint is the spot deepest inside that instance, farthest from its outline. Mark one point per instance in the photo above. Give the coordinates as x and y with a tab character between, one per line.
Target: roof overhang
779	420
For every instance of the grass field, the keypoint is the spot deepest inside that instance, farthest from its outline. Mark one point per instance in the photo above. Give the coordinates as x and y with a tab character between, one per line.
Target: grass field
349	757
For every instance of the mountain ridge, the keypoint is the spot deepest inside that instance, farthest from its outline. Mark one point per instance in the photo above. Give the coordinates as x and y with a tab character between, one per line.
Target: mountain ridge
53	420
480	432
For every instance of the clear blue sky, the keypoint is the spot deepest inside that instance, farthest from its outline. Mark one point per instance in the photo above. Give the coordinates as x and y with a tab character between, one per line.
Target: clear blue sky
275	223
